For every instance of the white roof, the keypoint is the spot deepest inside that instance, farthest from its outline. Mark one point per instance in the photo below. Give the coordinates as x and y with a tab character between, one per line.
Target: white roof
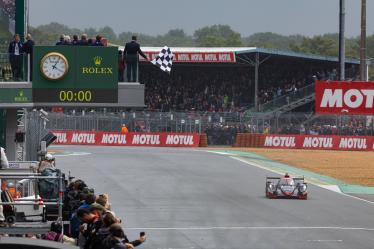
197	49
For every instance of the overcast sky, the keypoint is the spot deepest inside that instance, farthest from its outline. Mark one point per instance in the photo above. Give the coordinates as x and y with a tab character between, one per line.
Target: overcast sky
307	17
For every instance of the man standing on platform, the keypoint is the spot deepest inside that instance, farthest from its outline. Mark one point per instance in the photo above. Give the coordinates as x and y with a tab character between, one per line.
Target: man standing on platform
132	49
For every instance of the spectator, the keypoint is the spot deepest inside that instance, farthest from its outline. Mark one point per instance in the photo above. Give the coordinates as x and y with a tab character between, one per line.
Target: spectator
61	41
15	51
67	40
90	42
98	42
83	41
131	51
108	220
118	239
75	40
28	48
55	234
91	223
121	66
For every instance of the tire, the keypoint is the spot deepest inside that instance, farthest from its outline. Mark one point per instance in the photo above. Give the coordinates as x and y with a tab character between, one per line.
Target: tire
11	219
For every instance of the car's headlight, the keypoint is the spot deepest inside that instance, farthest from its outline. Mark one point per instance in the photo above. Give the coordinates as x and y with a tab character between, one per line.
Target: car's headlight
302	188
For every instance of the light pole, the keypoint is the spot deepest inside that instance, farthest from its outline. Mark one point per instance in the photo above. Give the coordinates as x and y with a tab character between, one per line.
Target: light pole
341	40
363	68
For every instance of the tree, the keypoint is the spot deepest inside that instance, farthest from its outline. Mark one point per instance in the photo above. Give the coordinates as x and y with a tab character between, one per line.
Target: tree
272	40
108	33
217	36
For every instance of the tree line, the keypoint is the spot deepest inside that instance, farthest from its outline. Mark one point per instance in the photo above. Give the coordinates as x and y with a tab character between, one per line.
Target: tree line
217	36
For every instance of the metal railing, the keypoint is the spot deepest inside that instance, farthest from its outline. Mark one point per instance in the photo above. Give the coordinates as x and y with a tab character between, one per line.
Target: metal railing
14	68
288	98
22	175
141	121
220	127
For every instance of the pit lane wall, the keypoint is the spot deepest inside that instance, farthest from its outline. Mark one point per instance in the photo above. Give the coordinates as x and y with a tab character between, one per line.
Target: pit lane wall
315	142
159	139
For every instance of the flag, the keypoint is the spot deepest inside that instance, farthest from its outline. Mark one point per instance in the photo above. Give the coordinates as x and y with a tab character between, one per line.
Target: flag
164	60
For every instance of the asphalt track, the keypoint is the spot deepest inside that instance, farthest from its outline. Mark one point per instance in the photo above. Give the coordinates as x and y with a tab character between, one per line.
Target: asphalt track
184	198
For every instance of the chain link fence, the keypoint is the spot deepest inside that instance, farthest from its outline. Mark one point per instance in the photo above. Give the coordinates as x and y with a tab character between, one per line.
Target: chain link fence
221	128
36	130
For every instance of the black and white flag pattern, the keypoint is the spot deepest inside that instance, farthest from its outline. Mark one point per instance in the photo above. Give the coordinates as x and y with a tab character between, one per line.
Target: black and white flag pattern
164	60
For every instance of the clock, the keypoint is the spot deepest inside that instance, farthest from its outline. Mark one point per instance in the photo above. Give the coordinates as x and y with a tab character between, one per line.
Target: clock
54	66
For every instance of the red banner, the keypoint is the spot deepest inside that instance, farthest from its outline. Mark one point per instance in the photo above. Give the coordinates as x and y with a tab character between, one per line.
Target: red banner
162	139
340	97
197	57
359	143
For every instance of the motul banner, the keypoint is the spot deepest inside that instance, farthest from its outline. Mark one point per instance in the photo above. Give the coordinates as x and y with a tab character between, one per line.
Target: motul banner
200	57
359	143
162	139
340	97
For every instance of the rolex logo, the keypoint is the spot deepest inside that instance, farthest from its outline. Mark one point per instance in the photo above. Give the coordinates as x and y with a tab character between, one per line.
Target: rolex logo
20	93
97	60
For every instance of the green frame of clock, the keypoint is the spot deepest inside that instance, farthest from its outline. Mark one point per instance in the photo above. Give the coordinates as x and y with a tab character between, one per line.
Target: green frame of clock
92	75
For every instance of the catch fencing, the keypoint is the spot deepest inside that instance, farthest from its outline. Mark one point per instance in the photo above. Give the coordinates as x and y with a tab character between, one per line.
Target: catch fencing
221	128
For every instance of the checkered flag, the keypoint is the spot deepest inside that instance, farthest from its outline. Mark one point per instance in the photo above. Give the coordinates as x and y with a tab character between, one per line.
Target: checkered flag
164	60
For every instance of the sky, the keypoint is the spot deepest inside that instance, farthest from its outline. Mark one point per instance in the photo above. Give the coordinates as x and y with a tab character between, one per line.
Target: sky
306	17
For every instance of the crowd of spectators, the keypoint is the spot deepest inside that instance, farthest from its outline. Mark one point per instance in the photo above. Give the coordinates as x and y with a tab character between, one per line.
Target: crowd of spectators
82	41
222	88
93	224
352	126
213	89
9	7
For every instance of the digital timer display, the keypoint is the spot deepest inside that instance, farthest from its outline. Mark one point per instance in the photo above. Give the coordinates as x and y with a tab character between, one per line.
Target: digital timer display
91	95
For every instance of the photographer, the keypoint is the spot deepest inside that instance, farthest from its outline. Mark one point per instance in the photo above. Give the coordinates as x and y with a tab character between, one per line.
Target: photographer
48	163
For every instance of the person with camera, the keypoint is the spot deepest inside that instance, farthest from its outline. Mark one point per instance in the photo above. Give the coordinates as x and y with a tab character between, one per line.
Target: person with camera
48	163
118	239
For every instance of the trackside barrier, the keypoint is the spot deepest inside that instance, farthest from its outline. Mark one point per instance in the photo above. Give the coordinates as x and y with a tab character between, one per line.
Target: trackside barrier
315	142
156	139
33	200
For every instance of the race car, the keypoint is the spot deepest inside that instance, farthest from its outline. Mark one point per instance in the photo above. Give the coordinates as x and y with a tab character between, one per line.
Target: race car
286	187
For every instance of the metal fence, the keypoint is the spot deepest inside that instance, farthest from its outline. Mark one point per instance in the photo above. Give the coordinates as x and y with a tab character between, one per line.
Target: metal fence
221	128
35	131
6	72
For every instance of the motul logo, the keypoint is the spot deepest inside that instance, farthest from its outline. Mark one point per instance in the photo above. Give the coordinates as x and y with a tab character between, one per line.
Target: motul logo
146	139
318	142
61	137
353	98
353	143
88	138
113	139
179	139
280	142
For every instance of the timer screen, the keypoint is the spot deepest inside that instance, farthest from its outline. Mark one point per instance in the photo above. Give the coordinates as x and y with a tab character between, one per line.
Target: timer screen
92	95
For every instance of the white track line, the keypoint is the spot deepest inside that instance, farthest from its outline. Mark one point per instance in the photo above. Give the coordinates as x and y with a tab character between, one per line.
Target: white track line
252	228
315	184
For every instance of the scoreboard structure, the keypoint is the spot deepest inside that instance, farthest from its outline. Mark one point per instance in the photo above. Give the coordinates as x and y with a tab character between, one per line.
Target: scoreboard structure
75	74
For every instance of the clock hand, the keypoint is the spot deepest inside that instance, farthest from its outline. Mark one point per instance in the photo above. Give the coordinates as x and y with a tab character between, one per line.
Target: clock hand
58	69
54	66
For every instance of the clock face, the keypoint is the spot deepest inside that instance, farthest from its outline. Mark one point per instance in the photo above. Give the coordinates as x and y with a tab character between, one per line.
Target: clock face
54	66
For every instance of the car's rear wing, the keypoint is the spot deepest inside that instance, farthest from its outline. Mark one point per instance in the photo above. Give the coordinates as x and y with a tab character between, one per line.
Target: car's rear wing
278	178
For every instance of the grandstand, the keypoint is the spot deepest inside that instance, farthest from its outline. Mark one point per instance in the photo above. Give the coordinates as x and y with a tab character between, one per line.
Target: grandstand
227	79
